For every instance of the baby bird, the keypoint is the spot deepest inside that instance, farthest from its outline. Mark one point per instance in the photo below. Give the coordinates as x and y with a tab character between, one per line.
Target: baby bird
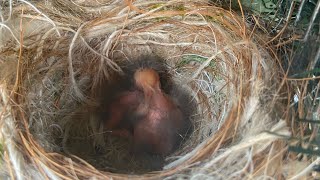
160	121
146	115
121	111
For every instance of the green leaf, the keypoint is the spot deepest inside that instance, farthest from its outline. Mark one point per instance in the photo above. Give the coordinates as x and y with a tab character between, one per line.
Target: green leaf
299	149
194	58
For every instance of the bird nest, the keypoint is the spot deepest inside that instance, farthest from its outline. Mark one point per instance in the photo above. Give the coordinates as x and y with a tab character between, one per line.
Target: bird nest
61	60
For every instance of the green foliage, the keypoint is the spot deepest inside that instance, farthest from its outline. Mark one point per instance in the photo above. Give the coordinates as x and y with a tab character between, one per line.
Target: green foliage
258	6
309	121
306	74
179	7
308	151
1	152
1	149
194	58
313	147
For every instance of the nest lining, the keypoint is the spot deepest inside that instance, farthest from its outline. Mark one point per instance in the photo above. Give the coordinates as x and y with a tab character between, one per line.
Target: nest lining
63	63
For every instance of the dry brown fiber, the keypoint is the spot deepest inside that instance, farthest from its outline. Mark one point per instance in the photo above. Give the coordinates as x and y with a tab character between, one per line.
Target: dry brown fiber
58	52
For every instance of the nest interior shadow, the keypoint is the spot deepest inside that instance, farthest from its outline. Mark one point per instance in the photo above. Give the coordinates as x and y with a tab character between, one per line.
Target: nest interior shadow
116	154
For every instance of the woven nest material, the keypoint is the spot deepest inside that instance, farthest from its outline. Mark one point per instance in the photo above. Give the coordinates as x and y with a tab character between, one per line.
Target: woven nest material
57	57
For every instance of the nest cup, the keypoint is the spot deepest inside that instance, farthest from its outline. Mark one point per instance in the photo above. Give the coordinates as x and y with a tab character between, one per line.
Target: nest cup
53	78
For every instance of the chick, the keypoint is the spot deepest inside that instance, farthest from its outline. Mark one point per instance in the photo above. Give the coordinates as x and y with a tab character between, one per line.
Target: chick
160	120
120	112
146	115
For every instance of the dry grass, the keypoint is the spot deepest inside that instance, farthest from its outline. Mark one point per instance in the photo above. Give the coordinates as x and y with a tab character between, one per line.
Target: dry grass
63	52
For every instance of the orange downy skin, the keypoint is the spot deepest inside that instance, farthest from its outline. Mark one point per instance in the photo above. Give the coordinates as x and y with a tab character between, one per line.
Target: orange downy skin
161	120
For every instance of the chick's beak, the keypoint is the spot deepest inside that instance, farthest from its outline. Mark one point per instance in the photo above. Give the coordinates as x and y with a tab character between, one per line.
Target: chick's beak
147	80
